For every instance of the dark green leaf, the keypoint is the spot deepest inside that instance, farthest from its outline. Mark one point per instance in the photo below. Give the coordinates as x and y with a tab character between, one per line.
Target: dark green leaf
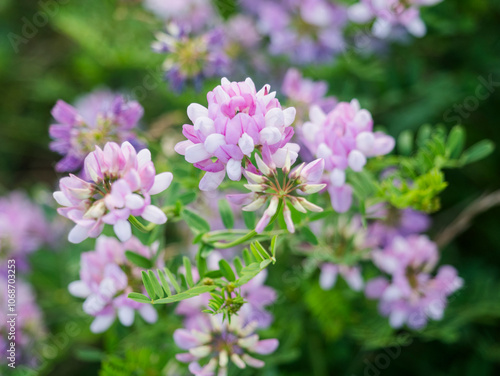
138	260
226	214
195	222
226	270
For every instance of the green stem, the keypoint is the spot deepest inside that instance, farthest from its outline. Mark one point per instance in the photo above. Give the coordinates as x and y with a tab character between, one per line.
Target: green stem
168	210
246	237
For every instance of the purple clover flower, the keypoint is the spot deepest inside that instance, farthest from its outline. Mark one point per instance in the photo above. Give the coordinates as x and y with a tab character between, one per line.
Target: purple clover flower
23	229
192	15
216	343
391	222
106	278
121	184
97	118
305	30
389	14
30	328
412	295
191	57
344	138
237	121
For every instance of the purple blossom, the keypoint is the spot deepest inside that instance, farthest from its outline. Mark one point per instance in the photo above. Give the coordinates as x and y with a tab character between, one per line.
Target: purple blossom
389	14
97	118
237	121
344	138
121	184
215	343
305	30
106	278
351	274
191	57
29	329
23	229
391	222
412	295
192	15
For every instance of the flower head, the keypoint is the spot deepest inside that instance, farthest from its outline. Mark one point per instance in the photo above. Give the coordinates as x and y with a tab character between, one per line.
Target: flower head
391	222
389	14
412	295
278	189
307	31
190	14
96	119
23	228
30	328
238	120
106	278
344	138
191	57
216	343
121	184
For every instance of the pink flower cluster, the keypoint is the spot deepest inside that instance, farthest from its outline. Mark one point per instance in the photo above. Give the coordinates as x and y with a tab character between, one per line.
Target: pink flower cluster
23	228
412	295
29	326
106	278
216	343
97	118
122	182
389	14
344	138
237	121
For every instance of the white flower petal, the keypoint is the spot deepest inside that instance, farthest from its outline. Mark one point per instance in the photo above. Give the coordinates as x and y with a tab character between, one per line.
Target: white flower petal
126	315
78	234
79	289
162	182
196	153
123	230
101	323
154	214
195	110
234	169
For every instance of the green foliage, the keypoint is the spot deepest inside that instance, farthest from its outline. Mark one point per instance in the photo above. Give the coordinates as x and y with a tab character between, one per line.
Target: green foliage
419	179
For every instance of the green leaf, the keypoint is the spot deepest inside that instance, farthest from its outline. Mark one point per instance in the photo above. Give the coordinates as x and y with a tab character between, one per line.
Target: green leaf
141	298
138	225
405	143
226	214
226	270
201	263
247	257
274	242
195	222
214	274
256	253
147	284
249	219
173	280
477	152
156	285
138	260
164	282
308	235
195	291
424	133
456	141
187	198
189	273
238	265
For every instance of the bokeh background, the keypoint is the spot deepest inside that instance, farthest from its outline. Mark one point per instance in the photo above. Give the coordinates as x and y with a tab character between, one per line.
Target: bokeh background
95	43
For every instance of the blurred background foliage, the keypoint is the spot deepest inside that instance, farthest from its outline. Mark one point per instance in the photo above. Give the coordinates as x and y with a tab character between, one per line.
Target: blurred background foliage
95	43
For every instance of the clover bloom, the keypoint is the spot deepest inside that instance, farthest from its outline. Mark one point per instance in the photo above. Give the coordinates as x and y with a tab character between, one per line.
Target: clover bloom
344	138
216	343
390	14
267	185
391	222
23	229
97	118
190	14
191	57
106	278
307	31
29	330
224	136
121	184
412	295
